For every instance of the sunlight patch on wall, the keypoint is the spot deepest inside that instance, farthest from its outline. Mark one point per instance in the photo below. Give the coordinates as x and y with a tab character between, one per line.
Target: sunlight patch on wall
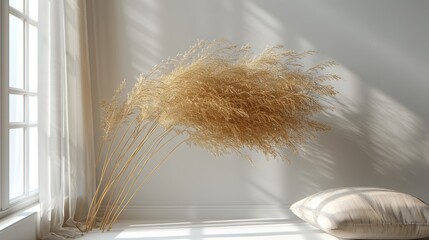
263	16
349	88
397	135
228	5
261	25
349	101
142	30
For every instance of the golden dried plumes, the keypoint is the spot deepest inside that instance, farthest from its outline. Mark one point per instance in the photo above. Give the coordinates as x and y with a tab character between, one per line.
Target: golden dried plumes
227	99
220	97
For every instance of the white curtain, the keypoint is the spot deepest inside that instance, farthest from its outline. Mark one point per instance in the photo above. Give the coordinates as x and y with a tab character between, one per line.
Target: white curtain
66	155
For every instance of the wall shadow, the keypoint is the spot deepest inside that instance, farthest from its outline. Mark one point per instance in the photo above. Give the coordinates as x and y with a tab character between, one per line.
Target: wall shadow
380	129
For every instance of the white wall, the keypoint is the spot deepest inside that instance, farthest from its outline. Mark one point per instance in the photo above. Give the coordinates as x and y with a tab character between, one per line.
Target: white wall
380	134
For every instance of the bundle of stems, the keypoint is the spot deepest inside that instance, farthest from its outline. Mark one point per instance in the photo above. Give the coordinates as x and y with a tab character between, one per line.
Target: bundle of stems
216	95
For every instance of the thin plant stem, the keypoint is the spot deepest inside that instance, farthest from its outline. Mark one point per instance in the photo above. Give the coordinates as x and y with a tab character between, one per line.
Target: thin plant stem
122	154
100	149
90	215
117	145
107	212
91	220
135	135
137	164
117	206
97	161
142	182
115	187
122	170
144	159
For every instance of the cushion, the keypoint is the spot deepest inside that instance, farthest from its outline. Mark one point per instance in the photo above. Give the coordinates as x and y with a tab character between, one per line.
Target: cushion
365	213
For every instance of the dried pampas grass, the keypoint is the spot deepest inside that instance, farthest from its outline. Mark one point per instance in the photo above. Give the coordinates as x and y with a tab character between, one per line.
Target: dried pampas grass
220	97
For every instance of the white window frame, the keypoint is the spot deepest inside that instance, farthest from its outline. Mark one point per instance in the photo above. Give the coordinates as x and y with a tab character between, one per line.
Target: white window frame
6	205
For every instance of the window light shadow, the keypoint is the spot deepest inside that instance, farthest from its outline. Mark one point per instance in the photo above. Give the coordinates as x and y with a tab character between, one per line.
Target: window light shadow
378	49
375	136
380	134
245	229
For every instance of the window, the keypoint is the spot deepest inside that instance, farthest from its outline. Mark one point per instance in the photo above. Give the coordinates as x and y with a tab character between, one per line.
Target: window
19	78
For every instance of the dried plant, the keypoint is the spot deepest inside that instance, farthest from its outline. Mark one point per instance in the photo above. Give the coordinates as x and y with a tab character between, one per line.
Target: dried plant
217	95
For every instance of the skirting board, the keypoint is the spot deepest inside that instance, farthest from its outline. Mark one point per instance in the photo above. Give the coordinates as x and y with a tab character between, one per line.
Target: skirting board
202	212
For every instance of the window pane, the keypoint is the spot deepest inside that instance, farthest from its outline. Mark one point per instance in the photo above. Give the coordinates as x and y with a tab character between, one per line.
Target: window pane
17	4
16	108
16	52
32	109
33	9
32	58
16	162
33	159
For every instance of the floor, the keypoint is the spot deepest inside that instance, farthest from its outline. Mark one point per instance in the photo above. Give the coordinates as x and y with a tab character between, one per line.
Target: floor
243	229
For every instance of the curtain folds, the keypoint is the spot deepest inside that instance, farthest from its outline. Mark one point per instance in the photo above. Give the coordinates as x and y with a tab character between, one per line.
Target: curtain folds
67	168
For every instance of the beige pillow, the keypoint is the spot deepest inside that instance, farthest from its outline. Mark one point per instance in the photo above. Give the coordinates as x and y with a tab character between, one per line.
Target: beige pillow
365	213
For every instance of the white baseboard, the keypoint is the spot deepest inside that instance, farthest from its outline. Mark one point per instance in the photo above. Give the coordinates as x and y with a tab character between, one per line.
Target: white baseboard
212	212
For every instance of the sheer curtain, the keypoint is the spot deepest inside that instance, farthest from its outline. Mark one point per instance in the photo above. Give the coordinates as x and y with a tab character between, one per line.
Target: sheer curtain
67	169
